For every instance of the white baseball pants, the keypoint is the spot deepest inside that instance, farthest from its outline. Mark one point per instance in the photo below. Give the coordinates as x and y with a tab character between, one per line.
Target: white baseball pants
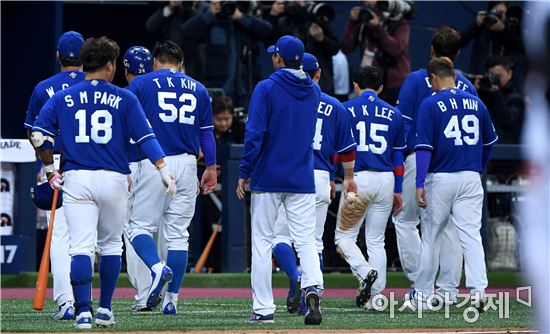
59	252
300	212
379	185
408	238
452	199
95	204
151	209
322	201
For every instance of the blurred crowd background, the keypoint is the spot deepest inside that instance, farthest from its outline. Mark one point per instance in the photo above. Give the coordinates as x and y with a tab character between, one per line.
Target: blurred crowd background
225	48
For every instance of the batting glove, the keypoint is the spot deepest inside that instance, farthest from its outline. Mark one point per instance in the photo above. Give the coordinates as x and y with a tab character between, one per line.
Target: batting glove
168	181
55	179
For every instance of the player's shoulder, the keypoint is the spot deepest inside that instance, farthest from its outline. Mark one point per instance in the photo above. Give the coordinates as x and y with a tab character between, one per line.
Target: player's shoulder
385	104
466	82
330	99
416	76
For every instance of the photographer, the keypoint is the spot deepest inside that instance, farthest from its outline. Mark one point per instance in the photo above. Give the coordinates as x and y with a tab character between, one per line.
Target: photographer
507	106
311	23
497	31
166	22
383	42
231	34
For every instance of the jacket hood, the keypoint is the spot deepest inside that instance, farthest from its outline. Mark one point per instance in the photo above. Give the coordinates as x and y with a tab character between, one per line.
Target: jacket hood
296	82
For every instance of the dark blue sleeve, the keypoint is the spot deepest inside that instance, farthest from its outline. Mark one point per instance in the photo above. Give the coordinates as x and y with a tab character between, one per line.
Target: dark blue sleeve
425	128
423	159
206	119
344	134
47	121
407	102
35	104
256	126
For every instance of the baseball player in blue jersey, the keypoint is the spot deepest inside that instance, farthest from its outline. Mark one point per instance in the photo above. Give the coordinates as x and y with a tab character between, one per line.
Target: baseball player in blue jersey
68	52
137	60
378	130
417	87
455	134
333	135
277	165
180	113
96	120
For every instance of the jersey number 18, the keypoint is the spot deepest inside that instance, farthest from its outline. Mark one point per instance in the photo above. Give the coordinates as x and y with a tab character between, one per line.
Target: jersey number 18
101	130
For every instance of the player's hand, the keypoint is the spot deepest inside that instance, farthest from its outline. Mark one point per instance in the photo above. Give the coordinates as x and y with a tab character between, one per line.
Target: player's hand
242	187
332	189
421	198
349	186
209	180
397	203
316	32
169	181
55	179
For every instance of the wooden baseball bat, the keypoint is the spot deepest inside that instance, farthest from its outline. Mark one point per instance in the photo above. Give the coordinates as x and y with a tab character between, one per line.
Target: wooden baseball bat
42	279
204	256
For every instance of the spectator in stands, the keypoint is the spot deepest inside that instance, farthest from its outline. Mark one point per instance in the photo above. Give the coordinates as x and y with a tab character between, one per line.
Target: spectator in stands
312	25
383	39
506	105
228	129
166	24
231	34
497	32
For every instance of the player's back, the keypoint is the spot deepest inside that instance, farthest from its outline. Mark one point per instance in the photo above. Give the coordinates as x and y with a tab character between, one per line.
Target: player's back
331	132
177	107
45	89
458	124
96	120
415	89
285	161
377	128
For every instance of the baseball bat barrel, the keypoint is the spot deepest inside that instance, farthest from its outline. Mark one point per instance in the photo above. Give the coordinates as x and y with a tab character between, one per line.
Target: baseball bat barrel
42	279
204	255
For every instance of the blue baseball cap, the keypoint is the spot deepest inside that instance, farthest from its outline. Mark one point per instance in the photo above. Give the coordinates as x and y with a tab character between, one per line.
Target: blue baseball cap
42	196
309	62
138	60
288	47
69	45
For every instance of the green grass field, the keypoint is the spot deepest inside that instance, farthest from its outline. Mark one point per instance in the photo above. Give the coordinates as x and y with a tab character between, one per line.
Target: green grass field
232	314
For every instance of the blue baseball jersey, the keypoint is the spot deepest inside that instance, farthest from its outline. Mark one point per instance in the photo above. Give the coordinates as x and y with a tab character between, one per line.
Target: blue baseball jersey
333	132
378	130
414	90
178	108
97	120
44	90
454	125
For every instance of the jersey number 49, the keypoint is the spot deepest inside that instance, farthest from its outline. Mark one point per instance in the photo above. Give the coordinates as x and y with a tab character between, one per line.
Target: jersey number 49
470	125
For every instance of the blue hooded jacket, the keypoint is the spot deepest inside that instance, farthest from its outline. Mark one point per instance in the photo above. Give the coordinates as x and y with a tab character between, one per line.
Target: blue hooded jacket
278	152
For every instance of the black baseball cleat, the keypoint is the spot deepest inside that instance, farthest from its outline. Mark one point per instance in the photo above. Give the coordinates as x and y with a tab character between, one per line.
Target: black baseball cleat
293	298
365	288
313	315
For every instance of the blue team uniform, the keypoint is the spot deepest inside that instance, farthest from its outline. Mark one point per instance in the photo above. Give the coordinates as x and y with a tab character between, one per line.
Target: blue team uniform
45	90
100	115
415	89
378	131
178	108
333	133
281	160
454	125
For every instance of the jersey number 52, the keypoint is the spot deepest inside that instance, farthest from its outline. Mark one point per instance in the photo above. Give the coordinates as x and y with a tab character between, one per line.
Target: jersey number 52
175	113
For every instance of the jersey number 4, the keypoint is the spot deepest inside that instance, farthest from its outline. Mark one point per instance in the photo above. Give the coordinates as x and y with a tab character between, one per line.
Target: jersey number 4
176	113
470	125
101	130
380	143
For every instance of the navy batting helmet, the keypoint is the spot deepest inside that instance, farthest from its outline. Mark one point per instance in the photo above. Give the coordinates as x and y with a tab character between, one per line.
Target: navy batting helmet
42	196
138	60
